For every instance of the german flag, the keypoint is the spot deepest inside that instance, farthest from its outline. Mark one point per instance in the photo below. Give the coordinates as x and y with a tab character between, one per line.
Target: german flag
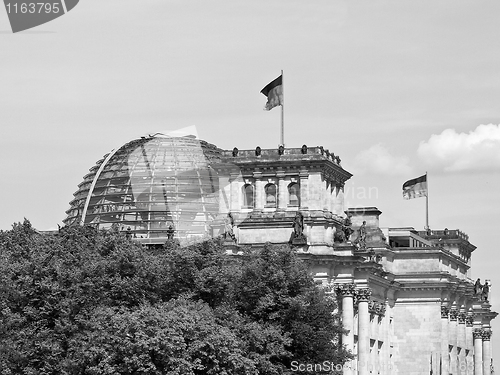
274	93
415	188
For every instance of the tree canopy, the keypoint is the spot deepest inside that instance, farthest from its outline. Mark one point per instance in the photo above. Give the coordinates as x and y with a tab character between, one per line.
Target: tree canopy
94	302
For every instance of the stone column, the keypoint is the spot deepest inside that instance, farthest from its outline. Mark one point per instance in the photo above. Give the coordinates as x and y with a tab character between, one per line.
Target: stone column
461	341
304	189
363	331
478	351
384	360
224	195
469	343
445	364
282	193
486	335
452	337
375	310
235	193
346	293
259	195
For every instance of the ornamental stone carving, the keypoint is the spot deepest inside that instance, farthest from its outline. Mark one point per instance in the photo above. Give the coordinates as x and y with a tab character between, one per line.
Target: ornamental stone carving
477	333
462	317
453	315
363	295
486	335
444	312
469	320
298	237
376	308
345	290
382	309
228	228
371	307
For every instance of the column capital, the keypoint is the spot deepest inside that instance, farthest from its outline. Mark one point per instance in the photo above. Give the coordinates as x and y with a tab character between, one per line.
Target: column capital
363	294
462	317
453	315
469	320
444	312
477	333
486	334
345	289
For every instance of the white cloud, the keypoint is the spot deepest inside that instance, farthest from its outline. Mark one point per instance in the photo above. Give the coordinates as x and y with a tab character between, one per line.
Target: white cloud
478	150
378	160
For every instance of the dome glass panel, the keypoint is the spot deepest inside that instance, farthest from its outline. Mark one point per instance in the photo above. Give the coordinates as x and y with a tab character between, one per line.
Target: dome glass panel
150	184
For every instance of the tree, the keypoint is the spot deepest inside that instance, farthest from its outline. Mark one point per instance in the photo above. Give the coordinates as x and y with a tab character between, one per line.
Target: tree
95	302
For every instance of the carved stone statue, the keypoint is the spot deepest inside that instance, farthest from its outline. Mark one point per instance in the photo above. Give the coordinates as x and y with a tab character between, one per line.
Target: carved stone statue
339	236
346	227
485	291
170	232
362	232
298	237
478	288
298	225
362	236
228	227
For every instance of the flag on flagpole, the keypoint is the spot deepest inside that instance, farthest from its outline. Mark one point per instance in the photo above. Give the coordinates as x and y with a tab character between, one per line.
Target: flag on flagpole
274	93
415	188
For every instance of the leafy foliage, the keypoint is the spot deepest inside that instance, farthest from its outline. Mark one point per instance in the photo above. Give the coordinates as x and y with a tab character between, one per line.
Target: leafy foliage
94	302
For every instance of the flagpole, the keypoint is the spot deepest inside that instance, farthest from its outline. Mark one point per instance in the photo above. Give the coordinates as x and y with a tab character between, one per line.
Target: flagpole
427	204
282	109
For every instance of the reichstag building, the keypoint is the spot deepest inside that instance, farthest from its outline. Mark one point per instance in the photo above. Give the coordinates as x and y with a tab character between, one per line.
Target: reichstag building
405	296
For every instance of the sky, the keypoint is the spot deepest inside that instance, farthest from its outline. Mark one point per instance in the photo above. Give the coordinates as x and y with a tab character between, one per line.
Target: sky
396	88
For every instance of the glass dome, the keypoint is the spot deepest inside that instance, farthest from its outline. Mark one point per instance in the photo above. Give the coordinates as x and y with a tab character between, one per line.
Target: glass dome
150	184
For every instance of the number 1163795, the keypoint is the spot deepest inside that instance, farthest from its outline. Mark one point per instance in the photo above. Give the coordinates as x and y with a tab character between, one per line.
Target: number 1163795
33	8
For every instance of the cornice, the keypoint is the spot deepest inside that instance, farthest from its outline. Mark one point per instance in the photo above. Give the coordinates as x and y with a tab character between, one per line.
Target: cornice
434	250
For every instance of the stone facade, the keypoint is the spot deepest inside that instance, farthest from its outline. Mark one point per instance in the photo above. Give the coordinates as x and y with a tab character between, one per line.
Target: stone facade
405	296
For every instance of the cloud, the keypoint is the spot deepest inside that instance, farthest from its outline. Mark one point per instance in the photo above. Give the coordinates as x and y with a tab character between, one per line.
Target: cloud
378	160
478	150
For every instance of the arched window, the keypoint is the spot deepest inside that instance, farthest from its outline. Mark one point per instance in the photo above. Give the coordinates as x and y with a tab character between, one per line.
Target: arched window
248	194
293	194
270	190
